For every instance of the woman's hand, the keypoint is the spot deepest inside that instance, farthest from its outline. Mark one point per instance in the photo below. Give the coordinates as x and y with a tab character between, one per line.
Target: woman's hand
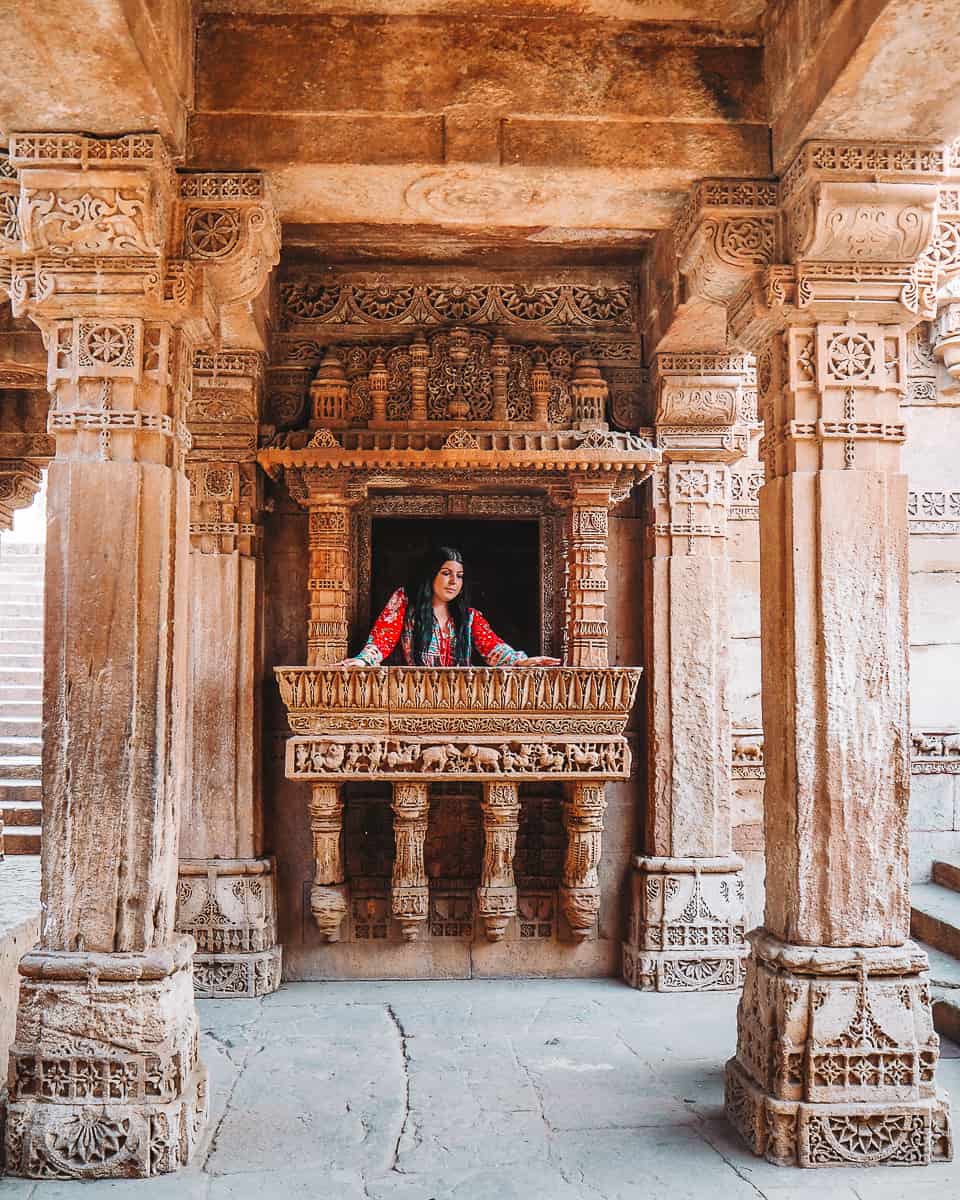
349	662
541	661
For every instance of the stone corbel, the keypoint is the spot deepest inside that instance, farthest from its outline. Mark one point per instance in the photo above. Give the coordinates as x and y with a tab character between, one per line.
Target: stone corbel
228	225
706	404
19	483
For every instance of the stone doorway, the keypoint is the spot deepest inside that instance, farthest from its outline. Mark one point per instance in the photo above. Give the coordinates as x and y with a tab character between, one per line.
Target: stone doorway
503	568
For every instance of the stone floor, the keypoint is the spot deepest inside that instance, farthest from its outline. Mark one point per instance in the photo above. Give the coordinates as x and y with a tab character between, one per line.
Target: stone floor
555	1090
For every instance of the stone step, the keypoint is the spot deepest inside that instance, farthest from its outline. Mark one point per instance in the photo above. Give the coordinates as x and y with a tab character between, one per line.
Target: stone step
20	791
29	813
18	745
17	610
935	917
15	662
21	708
26	726
947	875
21	641
22	839
23	675
20	691
25	766
28	626
945	991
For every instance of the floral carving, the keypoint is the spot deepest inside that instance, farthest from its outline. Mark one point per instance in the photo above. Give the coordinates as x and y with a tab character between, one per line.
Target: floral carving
70	221
383	303
851	357
212	232
89	1137
457	303
529	303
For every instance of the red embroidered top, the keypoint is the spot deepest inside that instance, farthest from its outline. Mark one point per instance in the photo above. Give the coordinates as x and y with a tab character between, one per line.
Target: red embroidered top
388	629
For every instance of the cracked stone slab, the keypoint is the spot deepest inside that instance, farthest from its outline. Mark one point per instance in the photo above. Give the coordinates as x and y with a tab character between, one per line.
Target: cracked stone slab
538	1181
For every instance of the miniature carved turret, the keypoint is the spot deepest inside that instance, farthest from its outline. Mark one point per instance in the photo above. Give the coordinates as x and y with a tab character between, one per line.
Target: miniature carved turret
330	392
589	391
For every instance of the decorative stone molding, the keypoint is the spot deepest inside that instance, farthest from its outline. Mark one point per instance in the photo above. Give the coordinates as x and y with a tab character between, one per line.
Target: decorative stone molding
410	892
935	752
19	483
228	906
686	930
745	495
747	761
703	389
934	511
383	307
836	1058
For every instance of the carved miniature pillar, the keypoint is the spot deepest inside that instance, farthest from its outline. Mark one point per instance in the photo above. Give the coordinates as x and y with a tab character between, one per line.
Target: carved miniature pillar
330	542
589	393
379	382
587	578
19	483
497	893
104	1074
836	1056
686	929
419	357
580	884
500	370
227	892
330	393
329	895
409	893
540	382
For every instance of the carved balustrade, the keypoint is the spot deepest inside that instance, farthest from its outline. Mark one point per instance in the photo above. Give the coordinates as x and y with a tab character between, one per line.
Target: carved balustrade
497	726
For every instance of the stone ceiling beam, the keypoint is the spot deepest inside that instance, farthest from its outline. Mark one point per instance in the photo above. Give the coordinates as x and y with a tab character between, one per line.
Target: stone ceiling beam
105	65
860	69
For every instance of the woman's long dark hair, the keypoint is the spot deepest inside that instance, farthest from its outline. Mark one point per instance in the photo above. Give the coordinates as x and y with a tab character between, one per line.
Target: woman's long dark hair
419	620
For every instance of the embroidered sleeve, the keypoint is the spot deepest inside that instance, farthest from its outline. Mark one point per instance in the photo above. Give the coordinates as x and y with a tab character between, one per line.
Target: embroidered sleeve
490	646
386	631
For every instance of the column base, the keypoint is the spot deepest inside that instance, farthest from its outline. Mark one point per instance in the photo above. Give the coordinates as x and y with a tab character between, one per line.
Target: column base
105	1082
836	1058
228	906
686	925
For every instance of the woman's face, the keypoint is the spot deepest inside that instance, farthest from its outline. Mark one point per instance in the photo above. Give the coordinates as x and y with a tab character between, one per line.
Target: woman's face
448	582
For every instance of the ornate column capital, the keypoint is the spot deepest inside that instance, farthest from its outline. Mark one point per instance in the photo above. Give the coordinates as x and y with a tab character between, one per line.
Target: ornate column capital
19	483
861	236
705	402
727	229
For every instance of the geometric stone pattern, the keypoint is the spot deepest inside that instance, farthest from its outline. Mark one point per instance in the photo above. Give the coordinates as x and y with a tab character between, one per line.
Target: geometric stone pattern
82	1103
229	908
836	1058
686	930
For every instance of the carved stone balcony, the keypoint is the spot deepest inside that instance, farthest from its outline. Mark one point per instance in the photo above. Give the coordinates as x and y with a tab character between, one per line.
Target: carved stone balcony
497	726
398	723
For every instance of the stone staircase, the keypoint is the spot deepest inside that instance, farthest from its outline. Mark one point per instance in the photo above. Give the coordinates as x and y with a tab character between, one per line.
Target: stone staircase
21	680
935	923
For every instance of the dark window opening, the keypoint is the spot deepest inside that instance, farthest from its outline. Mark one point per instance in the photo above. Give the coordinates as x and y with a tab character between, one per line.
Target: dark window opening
502	561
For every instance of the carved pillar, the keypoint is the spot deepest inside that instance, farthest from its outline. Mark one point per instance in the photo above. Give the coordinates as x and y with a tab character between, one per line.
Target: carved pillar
497	893
686	928
836	1053
19	483
227	892
419	357
331	563
104	1074
329	896
580	883
587	530
409	893
500	371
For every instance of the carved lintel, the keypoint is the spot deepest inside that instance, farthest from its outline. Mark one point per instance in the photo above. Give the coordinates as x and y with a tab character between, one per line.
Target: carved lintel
580	885
497	894
329	895
410	894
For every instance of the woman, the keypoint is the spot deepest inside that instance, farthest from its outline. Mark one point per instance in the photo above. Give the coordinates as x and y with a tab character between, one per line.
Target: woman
435	625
